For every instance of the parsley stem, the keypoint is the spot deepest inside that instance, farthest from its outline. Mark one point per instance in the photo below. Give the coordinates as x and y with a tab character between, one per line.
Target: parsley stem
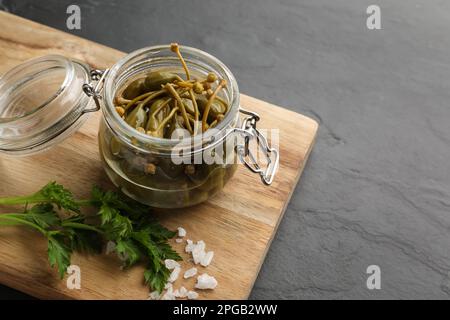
37	198
16	219
83	226
82	203
23	200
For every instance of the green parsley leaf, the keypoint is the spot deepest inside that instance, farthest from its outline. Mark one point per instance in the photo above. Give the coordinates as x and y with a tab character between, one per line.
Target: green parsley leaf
60	196
167	252
114	224
50	193
43	215
58	254
117	228
157	231
156	279
130	252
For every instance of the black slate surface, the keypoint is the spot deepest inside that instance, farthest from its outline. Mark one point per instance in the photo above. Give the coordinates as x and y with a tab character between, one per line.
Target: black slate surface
376	188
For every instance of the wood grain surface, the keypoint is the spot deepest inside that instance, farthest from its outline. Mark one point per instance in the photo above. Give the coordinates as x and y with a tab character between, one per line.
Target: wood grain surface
238	224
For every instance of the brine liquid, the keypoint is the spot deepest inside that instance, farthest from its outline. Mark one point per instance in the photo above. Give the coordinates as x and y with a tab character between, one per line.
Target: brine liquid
169	186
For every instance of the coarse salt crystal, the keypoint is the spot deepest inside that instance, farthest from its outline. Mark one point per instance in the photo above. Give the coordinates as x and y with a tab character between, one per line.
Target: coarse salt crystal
155	295
198	255
183	292
168	286
192	295
168	295
181	232
178	240
207	258
205	281
198	252
171	264
110	247
174	275
190	273
201	244
180	293
190	246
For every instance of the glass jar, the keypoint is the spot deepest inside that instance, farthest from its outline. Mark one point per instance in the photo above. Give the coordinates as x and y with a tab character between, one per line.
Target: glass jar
164	173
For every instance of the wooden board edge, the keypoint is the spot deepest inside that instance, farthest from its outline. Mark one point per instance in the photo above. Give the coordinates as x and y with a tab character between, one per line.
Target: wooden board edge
297	178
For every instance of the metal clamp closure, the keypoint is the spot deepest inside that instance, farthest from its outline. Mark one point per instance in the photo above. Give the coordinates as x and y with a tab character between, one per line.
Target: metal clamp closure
94	88
250	132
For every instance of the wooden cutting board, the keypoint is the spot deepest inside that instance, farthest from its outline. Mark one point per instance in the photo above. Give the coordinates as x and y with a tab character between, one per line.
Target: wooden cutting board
238	224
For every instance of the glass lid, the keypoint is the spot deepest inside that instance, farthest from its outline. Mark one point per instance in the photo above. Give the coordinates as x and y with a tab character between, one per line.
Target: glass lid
41	103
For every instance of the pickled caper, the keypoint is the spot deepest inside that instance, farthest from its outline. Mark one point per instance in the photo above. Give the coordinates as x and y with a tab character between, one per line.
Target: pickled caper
188	104
156	114
154	80
137	117
134	89
217	107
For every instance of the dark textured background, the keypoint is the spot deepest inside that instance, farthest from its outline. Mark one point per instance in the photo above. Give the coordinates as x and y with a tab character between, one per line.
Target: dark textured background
376	188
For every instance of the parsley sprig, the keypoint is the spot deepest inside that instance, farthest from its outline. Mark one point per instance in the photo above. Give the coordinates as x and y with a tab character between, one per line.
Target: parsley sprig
55	213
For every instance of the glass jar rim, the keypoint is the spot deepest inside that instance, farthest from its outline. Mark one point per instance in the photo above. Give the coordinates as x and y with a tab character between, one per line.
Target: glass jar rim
49	121
123	129
58	60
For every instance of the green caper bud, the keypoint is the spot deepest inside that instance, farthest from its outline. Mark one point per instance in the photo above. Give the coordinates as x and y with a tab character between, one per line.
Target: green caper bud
217	107
188	105
198	87
156	79
211	77
137	117
134	89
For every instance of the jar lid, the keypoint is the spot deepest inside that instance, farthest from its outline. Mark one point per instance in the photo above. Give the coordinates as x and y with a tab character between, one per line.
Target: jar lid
41	103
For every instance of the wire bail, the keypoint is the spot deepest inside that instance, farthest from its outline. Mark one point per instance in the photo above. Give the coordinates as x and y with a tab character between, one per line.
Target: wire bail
250	132
94	88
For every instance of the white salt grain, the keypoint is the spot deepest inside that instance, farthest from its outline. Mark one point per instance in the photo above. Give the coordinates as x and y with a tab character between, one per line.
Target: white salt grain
190	273
190	246
207	258
171	264
168	295
201	245
205	281
174	275
155	295
183	292
180	293
181	232
178	240
198	253
192	295
168	286
110	247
